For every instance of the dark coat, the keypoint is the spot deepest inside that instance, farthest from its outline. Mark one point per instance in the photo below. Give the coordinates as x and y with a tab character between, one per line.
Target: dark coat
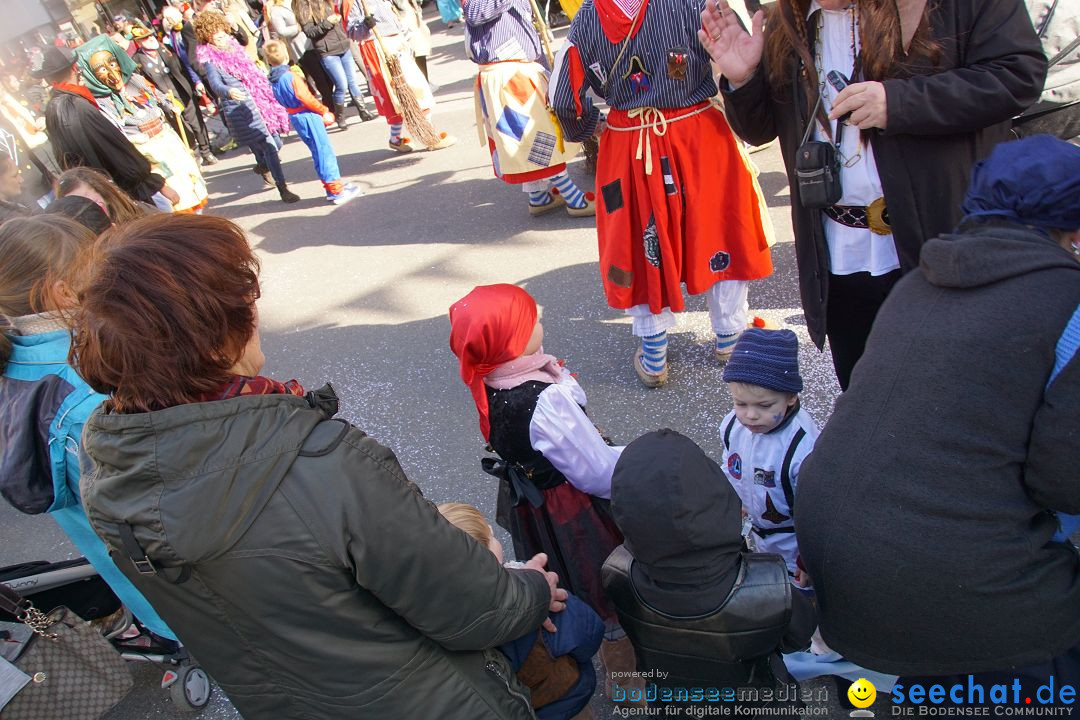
183	45
328	38
322	584
168	74
82	136
922	510
940	122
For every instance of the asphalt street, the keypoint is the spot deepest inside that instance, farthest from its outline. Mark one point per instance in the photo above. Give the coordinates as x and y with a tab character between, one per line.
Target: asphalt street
357	295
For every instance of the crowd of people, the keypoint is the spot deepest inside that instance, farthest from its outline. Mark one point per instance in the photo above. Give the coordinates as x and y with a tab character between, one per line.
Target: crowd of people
155	101
921	535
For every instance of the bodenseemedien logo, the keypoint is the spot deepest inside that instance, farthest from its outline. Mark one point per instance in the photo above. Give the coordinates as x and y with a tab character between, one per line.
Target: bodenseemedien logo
862	694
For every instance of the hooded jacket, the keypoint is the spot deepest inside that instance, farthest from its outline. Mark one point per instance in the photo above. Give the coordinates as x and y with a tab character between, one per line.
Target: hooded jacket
321	584
922	514
694	591
44	405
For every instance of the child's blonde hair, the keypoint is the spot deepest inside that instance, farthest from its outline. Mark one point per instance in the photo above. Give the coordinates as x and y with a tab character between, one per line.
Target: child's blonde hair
469	519
276	53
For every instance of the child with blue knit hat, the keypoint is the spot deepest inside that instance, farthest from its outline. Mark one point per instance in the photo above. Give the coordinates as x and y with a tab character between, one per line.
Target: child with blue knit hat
767	436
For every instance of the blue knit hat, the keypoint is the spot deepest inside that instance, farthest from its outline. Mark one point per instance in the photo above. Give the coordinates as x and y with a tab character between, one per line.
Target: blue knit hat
766	358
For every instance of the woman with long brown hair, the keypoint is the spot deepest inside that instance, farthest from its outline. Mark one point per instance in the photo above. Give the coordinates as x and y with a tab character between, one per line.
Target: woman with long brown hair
930	89
324	23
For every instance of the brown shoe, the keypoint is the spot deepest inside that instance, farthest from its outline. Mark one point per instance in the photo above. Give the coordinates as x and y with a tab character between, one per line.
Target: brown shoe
617	657
648	379
402	145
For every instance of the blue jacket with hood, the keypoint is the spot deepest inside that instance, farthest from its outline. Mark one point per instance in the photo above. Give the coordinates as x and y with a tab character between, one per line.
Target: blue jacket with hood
45	404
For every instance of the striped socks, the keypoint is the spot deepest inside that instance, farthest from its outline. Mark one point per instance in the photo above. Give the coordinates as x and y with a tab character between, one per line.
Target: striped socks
725	344
573	195
395	133
654	349
537	199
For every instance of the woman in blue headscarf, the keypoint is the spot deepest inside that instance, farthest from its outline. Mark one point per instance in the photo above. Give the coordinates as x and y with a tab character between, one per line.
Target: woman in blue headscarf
138	108
926	513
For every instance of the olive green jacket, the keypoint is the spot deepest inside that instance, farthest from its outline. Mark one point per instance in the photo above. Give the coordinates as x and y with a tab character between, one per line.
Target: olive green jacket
317	581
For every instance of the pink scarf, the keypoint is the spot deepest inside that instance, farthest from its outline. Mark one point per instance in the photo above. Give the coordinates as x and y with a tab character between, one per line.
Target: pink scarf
538	366
235	62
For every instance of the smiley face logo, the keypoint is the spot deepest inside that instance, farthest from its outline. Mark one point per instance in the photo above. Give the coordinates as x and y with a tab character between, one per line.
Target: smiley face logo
862	693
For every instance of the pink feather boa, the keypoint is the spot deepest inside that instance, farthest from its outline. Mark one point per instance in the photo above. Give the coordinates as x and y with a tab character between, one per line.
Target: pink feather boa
236	62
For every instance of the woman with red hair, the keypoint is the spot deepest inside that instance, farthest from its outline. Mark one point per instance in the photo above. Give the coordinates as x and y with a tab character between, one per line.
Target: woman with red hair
287	549
555	467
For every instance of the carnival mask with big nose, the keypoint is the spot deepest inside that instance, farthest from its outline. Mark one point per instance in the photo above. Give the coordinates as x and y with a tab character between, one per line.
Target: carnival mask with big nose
107	69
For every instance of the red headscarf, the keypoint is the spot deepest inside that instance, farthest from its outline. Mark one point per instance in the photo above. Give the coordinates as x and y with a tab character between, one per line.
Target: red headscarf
488	327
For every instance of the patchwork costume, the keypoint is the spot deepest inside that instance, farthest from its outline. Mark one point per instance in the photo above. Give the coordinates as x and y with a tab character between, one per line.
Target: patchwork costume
512	115
678	202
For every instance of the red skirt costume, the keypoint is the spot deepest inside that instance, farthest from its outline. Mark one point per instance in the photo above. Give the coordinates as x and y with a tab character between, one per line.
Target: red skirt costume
697	218
679	201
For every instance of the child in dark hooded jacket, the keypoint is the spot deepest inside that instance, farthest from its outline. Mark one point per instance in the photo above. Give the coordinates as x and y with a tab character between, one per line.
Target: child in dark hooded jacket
696	605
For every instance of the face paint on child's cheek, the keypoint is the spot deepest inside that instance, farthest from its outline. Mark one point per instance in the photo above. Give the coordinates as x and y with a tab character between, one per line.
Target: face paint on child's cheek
777	418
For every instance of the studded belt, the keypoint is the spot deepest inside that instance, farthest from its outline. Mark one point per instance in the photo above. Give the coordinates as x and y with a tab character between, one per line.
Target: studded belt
874	217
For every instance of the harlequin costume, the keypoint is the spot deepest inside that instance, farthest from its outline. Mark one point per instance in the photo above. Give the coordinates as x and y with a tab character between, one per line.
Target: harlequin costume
678	200
512	116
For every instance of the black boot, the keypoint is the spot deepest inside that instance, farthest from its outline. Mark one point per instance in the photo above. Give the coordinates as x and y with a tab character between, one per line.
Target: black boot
362	110
287	195
342	122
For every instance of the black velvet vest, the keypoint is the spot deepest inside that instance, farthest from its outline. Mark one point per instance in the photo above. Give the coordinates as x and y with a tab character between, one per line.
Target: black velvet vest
510	413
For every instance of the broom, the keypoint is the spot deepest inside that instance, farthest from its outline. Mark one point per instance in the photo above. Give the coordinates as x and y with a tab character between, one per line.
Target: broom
415	119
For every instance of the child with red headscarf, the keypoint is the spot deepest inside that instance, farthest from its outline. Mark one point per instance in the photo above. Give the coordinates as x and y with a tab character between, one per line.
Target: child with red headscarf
555	467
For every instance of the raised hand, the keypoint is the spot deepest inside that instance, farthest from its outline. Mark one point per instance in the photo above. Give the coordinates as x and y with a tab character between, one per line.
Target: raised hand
735	52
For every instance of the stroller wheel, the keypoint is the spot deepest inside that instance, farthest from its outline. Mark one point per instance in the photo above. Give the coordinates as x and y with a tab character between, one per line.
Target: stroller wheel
189	687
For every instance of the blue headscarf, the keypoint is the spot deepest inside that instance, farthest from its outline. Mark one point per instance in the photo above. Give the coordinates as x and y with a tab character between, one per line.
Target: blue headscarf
1034	181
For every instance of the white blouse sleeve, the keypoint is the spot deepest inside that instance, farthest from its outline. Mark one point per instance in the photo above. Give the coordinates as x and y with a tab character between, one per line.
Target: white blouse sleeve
562	431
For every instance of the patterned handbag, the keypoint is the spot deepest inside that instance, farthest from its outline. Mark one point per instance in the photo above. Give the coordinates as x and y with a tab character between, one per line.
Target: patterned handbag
75	674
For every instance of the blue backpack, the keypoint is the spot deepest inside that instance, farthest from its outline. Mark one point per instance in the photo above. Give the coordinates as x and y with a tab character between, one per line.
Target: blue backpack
1067	346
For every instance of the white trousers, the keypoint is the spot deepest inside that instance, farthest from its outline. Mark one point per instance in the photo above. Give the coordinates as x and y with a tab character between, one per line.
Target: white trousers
729	311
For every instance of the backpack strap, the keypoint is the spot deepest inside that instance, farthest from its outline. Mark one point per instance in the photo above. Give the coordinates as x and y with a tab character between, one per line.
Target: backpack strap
785	470
727	432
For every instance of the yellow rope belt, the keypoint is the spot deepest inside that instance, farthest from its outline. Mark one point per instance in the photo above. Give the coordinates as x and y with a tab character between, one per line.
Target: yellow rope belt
651	119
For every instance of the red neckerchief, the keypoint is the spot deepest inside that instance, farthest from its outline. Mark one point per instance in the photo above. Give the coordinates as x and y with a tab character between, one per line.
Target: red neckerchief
76	90
239	385
614	22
